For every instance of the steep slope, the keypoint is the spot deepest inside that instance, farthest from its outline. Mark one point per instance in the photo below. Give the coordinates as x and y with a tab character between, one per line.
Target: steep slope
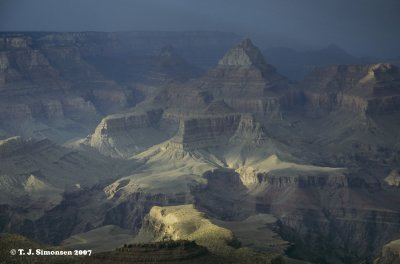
242	80
166	169
168	172
176	171
319	209
201	144
58	85
123	135
45	91
44	156
248	58
36	175
251	170
246	82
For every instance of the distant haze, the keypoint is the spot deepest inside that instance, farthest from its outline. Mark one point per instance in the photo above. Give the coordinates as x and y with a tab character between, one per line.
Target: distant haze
363	27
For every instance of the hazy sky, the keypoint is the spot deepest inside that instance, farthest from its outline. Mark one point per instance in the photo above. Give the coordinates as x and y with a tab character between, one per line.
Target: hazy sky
360	26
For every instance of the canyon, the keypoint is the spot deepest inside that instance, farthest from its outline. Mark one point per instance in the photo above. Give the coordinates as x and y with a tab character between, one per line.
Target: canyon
138	138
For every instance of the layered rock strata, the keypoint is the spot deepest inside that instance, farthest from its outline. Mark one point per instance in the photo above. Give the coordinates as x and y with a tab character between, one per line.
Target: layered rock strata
123	135
364	89
218	130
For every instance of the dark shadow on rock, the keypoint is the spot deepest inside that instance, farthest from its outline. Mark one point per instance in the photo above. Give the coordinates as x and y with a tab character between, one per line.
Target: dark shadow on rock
224	197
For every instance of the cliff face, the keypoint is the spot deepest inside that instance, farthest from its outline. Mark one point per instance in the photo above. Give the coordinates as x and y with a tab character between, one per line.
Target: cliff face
206	131
44	156
218	130
61	79
246	82
242	80
19	62
365	89
31	191
123	135
36	87
312	206
121	122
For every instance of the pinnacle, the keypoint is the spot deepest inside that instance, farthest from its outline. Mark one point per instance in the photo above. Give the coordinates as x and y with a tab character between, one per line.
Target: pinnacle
244	54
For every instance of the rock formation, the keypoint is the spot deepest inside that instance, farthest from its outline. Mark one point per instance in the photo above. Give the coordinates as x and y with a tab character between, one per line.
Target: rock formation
206	131
242	81
390	253
217	130
57	80
393	179
35	175
123	135
244	143
245	81
184	222
365	89
314	163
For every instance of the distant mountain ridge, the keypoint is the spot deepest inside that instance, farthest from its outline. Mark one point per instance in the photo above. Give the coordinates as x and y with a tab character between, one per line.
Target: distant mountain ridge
297	64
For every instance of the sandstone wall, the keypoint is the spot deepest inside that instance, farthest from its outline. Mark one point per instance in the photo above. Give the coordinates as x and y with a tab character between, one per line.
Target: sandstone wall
206	131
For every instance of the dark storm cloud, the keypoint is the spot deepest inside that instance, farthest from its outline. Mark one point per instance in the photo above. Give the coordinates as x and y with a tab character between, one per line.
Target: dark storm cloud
361	26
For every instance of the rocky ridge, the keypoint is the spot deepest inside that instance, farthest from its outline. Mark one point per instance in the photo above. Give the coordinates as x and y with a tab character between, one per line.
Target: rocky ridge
365	89
57	82
242	80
